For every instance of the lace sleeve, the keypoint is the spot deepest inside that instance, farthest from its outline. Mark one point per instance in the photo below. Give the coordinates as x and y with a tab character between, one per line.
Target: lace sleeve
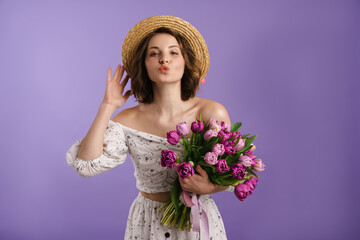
230	189
114	153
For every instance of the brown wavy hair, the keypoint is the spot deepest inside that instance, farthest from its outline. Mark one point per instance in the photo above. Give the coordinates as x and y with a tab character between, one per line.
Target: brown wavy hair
141	84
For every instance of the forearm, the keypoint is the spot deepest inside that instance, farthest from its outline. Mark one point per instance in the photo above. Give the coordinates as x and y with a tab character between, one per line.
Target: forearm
92	144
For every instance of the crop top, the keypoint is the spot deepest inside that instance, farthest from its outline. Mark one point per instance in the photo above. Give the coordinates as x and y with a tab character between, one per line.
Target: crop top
145	152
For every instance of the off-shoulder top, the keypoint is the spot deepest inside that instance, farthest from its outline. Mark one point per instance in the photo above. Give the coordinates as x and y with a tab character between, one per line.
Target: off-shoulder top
145	153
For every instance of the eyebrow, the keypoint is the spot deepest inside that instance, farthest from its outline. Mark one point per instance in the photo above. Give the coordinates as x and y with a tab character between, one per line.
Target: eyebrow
168	47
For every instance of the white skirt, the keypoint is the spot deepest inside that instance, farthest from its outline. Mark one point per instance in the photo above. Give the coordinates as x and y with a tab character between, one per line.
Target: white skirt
144	222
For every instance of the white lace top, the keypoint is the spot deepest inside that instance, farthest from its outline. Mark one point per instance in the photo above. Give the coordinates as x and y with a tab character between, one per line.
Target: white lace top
145	152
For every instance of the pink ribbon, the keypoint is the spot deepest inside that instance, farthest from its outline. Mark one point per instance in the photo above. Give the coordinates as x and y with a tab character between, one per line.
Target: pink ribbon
196	205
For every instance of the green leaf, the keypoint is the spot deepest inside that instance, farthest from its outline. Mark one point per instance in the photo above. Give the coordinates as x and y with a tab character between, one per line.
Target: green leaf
182	219
197	156
228	182
252	172
198	139
225	175
175	194
237	141
232	159
208	145
244	149
250	140
216	181
235	127
204	130
245	136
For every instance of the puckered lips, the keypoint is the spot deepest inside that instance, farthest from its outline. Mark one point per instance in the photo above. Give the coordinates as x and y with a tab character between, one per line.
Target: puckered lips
163	69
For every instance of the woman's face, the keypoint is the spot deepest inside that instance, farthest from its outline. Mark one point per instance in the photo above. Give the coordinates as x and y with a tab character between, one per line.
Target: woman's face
164	61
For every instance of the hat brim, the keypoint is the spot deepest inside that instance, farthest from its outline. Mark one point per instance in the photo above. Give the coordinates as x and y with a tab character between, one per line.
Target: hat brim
178	25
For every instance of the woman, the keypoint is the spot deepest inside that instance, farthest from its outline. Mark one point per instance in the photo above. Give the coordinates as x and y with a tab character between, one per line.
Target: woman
166	58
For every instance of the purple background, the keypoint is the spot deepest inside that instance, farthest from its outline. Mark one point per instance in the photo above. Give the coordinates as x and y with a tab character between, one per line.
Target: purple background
289	70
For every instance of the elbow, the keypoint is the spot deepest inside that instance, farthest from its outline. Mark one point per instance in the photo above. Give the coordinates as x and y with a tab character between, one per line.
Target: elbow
83	173
85	168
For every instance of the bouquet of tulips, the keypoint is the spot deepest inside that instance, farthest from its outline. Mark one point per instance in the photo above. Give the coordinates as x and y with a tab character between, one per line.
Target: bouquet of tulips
225	154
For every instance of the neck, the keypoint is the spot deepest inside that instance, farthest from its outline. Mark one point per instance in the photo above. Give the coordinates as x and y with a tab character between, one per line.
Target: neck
167	102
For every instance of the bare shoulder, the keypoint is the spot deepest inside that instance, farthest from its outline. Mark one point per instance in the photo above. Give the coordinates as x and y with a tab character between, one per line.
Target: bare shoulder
212	109
126	116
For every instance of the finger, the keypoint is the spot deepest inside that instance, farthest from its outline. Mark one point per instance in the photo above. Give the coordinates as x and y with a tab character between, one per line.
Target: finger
125	81
181	182
127	94
116	74
201	171
108	77
121	72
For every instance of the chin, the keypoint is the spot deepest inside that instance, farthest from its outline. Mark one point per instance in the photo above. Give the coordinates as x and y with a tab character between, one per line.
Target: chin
166	79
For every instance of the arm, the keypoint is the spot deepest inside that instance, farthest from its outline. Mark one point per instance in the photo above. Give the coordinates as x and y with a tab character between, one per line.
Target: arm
104	147
92	144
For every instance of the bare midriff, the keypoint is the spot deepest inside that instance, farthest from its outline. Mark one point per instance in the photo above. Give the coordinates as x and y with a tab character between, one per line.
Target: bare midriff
159	197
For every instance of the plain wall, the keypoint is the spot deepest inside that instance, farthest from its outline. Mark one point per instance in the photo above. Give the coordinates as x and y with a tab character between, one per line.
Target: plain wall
288	70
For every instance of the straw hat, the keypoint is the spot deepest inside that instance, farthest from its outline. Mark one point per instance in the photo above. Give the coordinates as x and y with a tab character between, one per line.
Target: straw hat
178	25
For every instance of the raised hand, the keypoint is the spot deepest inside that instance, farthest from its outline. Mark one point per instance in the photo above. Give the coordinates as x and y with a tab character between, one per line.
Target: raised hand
115	88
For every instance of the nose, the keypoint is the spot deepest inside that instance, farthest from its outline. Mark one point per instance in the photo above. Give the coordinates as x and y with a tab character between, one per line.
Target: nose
164	60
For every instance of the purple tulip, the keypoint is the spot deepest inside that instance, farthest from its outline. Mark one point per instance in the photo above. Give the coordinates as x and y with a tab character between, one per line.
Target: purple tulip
250	150
246	160
222	166
235	135
211	158
252	156
173	137
168	158
197	126
182	128
229	150
242	191
225	133
218	149
251	183
209	134
238	171
225	126
185	169
228	143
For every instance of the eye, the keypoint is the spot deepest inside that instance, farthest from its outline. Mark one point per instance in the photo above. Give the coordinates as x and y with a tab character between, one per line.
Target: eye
174	53
153	54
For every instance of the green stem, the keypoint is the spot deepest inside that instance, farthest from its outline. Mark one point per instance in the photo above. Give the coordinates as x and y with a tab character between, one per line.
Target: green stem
173	222
169	208
167	213
168	220
190	224
182	219
164	205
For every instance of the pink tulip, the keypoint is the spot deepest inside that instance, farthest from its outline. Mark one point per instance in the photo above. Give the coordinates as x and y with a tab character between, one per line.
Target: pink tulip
258	166
240	145
245	160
